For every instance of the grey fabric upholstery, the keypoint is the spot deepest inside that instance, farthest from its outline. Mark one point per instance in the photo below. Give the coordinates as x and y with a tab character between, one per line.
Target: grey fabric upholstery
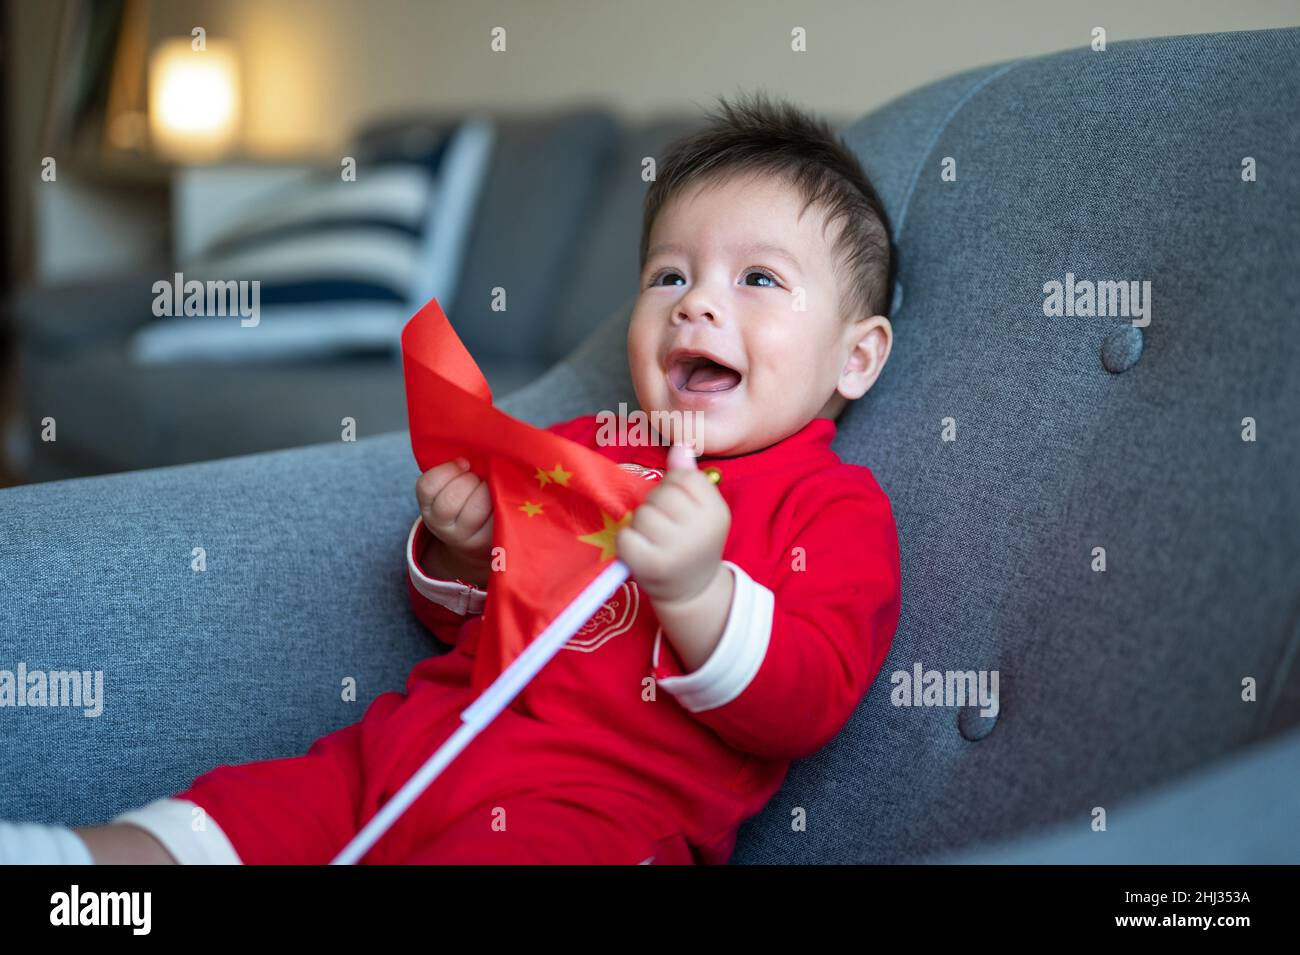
1110	683
606	267
542	194
179	413
62	320
1235	811
303	588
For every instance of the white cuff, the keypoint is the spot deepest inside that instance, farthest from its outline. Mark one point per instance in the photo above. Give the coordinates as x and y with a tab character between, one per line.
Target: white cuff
35	843
171	822
739	653
459	598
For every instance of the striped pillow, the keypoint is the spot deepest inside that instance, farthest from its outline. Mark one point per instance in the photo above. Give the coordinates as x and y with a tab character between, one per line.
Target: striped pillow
339	266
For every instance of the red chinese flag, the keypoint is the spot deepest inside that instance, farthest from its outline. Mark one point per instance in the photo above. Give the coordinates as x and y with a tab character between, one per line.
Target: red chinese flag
556	505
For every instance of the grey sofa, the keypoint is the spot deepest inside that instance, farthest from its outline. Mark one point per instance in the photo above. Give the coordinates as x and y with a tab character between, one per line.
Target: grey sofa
1120	690
557	226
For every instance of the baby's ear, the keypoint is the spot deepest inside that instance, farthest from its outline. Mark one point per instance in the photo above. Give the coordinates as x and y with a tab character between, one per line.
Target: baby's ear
872	339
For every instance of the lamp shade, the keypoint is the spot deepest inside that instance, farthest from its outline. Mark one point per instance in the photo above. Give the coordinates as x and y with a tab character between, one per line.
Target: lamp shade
194	99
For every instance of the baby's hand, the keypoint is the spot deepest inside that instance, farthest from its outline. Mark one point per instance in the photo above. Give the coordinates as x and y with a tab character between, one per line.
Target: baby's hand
457	509
673	546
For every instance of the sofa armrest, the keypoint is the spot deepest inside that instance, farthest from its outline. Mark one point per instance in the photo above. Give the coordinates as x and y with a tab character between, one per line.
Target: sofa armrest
302	589
245	654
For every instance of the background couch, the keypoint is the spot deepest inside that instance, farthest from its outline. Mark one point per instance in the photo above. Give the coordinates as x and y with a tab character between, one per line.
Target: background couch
557	225
1120	689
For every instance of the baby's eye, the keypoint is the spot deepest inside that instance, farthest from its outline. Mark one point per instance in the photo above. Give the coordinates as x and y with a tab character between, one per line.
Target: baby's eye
664	274
763	274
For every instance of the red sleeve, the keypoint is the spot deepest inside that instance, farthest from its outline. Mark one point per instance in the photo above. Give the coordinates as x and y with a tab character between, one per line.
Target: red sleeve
796	658
444	605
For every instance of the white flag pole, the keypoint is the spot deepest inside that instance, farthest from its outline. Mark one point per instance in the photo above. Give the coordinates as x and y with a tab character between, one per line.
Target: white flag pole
489	704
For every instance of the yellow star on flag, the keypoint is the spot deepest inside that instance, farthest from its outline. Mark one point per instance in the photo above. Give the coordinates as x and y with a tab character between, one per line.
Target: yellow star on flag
604	538
542	477
561	476
531	509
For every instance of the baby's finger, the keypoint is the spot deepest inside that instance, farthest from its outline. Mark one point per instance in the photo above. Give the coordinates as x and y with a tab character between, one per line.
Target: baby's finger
446	507
675	501
640	555
654	524
481	539
681	457
695	484
477	509
432	481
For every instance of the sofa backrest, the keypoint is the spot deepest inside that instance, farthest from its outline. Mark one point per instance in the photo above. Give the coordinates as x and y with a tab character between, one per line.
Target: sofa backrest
606	265
557	228
1016	446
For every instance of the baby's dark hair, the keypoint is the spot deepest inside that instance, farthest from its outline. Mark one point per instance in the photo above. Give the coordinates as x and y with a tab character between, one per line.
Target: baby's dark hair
756	135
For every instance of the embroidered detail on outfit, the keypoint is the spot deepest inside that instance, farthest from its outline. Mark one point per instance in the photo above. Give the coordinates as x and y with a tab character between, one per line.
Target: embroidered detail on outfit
615	616
650	474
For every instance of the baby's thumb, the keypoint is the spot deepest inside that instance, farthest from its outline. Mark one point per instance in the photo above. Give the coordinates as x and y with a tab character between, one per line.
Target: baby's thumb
681	456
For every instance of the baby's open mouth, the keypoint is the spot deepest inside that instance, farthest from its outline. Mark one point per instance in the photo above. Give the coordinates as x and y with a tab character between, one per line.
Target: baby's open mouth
698	373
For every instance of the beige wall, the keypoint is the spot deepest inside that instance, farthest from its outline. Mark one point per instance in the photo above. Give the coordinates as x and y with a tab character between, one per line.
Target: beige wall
316	67
313	69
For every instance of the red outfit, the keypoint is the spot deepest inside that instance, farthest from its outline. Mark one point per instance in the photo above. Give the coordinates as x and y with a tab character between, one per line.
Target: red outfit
613	753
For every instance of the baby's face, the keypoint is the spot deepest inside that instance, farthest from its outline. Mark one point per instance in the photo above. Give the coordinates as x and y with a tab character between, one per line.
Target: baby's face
709	285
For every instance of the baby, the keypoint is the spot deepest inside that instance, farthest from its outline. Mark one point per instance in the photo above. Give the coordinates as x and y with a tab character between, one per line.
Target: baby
764	587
